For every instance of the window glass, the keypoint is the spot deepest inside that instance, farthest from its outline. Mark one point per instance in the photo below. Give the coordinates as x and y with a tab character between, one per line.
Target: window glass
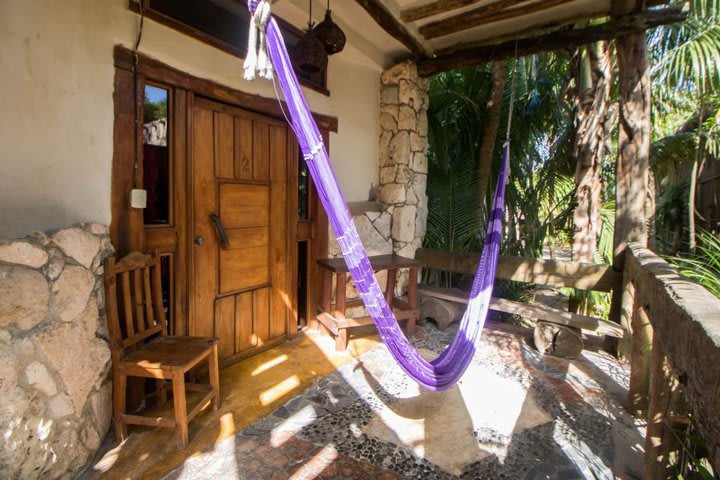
156	155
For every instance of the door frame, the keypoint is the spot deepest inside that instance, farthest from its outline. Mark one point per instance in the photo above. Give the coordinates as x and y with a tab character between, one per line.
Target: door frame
127	229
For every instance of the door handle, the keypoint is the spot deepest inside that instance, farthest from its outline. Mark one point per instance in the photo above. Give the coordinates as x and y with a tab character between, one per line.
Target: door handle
221	230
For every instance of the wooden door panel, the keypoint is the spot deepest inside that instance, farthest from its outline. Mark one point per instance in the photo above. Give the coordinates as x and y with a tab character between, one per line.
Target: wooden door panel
225	325
205	258
261	151
243	268
261	315
224	136
244	338
243	205
243	148
280	240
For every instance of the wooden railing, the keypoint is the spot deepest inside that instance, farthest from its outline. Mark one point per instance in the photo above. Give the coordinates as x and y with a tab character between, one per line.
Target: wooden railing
675	357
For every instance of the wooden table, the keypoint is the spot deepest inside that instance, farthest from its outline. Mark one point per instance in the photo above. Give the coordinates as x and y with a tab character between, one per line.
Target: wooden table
332	315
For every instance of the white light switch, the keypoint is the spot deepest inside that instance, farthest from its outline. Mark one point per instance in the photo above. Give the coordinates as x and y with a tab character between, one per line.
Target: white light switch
138	198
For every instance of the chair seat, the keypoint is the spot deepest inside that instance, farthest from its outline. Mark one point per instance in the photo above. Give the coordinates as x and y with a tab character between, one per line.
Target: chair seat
171	352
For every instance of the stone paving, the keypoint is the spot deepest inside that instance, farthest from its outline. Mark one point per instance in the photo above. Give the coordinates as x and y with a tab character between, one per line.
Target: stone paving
529	417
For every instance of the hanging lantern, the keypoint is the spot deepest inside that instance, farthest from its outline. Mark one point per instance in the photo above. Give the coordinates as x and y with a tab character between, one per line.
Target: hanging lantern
331	36
310	55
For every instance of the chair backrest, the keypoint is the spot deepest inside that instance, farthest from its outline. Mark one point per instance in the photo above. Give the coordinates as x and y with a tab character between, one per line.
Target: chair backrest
134	299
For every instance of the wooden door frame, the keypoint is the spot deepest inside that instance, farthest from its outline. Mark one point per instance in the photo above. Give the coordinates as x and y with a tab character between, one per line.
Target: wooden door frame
127	230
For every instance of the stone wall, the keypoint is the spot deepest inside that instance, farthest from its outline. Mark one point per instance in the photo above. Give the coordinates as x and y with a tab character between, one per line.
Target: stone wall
403	156
55	392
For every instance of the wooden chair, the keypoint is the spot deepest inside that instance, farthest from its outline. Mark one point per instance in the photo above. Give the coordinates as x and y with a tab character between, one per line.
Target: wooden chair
141	346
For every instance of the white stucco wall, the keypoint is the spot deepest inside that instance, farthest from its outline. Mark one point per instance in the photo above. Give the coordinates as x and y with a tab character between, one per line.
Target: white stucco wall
56	106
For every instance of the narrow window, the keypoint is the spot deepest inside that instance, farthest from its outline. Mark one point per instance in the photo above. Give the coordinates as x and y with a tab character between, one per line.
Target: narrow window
156	155
303	190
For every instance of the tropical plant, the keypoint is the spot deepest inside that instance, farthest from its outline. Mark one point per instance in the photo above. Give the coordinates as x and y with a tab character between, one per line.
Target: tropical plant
704	265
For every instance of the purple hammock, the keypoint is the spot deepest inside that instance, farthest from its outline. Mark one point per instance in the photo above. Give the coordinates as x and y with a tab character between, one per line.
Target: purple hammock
445	370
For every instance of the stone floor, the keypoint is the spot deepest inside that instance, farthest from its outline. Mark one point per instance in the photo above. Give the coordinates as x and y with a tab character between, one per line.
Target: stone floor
515	414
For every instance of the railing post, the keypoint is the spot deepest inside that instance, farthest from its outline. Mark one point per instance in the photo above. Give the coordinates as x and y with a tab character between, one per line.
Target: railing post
662	445
642	345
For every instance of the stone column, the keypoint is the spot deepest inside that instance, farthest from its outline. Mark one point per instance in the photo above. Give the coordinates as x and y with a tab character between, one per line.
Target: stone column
403	157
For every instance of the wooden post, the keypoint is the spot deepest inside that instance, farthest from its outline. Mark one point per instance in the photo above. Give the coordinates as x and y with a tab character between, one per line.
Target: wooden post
632	169
642	345
662	445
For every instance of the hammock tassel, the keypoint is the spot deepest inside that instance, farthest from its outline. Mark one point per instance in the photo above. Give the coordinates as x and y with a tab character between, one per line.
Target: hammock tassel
257	61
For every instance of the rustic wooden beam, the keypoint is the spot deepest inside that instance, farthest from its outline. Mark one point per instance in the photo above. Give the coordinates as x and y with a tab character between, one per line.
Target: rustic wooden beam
485	14
440	6
562	39
392	26
534	311
686	321
555	273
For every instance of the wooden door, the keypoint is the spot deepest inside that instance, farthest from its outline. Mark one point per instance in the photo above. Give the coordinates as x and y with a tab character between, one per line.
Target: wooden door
239	286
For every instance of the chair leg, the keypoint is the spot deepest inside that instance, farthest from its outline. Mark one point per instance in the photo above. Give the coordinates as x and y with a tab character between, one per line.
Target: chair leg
161	391
341	340
179	399
214	375
119	395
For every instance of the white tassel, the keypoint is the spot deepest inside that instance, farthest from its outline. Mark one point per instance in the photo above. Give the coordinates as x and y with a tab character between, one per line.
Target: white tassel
257	60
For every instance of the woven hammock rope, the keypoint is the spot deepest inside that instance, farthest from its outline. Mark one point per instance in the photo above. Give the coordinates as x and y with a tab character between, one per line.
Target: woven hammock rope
445	370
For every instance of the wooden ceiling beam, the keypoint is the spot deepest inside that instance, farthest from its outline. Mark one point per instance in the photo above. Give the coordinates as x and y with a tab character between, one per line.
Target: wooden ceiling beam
392	26
558	40
486	14
433	8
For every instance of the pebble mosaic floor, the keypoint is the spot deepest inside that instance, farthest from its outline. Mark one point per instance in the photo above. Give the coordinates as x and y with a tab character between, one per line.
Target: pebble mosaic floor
323	432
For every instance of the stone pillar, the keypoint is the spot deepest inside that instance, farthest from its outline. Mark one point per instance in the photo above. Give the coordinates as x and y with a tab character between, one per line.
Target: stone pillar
403	157
55	391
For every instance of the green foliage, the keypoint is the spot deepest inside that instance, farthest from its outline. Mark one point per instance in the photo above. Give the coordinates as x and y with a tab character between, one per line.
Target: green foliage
154	110
704	265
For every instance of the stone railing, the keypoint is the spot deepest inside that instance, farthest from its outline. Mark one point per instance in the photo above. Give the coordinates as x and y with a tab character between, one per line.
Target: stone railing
675	357
55	393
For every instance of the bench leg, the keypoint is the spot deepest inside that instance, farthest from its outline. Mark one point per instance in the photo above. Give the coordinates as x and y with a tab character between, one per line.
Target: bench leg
214	376
341	340
410	326
179	399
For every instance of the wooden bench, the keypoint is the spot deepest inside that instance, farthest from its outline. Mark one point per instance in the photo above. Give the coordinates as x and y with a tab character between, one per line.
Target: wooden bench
332	316
557	332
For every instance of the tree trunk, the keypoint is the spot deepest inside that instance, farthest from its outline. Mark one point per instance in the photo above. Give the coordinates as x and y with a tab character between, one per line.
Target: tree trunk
591	114
490	131
634	207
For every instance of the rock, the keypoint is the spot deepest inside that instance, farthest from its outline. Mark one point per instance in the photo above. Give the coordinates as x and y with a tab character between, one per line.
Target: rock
39	377
387	174
392	110
392	75
81	373
417	143
421	221
71	292
61	406
403	226
375	244
90	438
8	371
23	253
558	340
422	124
101	403
5	336
384	148
372	216
408	118
55	265
99	229
383	224
420	162
399	149
78	244
388	123
24	297
389	96
442	312
404	174
392	193
410	95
